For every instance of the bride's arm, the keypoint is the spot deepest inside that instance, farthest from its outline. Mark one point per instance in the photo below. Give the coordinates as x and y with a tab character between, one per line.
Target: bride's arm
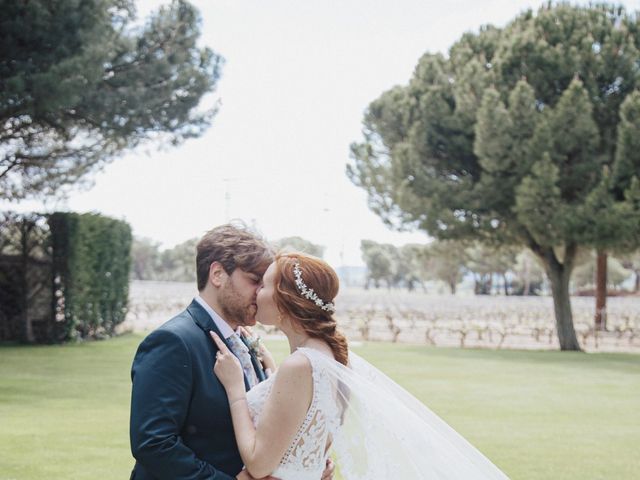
286	407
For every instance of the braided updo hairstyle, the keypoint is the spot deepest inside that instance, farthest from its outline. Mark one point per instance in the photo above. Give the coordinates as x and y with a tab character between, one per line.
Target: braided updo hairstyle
304	313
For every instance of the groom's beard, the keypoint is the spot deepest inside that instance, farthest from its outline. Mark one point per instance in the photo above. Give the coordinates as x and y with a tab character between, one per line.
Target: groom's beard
235	308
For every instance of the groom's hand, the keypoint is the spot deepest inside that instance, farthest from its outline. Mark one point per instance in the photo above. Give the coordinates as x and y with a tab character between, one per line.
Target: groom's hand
328	470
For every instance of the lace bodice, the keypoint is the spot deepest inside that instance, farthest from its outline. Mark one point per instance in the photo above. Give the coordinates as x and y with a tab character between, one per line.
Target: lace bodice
306	456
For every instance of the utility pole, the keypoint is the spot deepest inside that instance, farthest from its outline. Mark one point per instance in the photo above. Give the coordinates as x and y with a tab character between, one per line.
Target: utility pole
227	197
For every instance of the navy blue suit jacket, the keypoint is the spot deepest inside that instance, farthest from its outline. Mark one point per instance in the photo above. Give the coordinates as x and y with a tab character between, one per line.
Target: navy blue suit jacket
180	424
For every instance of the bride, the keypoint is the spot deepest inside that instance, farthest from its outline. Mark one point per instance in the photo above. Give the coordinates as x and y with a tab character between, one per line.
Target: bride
325	399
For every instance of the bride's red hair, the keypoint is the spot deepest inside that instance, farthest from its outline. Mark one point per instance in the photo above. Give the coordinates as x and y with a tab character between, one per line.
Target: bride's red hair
304	313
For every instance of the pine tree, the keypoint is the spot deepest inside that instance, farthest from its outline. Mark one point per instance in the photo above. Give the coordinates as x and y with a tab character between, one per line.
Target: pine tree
79	84
524	136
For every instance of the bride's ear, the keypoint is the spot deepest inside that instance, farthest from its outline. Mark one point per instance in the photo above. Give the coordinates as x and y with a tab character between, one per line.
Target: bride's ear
216	274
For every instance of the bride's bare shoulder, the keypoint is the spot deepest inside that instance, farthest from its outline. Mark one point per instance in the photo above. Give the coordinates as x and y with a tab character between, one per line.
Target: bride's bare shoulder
295	365
320	346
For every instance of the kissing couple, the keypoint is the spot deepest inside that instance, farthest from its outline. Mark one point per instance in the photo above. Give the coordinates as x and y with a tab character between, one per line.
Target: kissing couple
207	403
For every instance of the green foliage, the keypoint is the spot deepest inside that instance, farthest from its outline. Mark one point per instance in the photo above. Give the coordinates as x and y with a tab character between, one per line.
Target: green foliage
179	263
510	140
299	244
484	261
396	266
631	261
446	261
144	258
529	274
379	260
539	204
175	264
414	267
91	263
626	173
25	278
627	160
63	276
80	83
585	272
413	264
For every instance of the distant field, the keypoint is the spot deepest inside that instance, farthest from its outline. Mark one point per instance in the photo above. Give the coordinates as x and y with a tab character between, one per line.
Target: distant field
442	320
537	415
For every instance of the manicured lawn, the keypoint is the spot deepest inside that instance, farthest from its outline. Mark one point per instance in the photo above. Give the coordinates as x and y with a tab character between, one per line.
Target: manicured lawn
538	415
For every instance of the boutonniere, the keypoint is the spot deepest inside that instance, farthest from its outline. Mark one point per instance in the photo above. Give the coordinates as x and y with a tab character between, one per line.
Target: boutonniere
254	343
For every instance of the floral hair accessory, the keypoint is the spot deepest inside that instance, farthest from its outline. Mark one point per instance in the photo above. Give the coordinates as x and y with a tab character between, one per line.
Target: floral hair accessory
309	293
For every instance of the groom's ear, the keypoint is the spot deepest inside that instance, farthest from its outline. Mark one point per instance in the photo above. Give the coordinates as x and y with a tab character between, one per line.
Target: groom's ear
216	274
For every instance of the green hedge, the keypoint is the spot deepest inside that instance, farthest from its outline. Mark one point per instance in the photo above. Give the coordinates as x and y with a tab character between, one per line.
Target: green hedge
91	261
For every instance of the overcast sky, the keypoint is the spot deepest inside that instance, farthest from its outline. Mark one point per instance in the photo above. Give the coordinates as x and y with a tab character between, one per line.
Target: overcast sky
298	75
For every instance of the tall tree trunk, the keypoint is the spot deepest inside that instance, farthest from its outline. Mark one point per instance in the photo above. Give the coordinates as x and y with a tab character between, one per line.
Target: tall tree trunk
559	275
559	278
506	284
601	291
637	287
26	333
527	277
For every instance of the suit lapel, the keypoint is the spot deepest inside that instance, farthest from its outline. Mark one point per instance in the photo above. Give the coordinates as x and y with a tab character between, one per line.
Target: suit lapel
202	318
206	324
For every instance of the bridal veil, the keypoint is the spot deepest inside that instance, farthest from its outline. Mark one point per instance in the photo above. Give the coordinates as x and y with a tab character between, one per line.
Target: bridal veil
388	433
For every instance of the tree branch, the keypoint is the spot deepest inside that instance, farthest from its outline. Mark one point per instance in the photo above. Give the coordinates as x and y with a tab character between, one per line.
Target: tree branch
12	164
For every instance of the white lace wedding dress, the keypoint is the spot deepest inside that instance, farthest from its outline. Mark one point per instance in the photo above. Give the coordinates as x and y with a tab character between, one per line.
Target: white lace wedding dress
376	429
306	457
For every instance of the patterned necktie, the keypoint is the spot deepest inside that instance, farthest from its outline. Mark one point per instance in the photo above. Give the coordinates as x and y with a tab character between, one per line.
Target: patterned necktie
241	351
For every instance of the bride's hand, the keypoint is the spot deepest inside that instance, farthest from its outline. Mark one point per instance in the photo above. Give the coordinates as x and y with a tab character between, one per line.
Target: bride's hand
246	331
267	359
228	368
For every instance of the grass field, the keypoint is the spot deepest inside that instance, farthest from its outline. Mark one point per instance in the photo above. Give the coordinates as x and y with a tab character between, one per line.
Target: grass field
538	415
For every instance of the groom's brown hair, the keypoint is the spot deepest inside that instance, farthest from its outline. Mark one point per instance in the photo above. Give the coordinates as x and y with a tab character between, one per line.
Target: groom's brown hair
233	246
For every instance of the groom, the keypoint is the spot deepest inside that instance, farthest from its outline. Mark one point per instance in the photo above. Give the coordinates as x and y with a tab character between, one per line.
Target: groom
181	425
